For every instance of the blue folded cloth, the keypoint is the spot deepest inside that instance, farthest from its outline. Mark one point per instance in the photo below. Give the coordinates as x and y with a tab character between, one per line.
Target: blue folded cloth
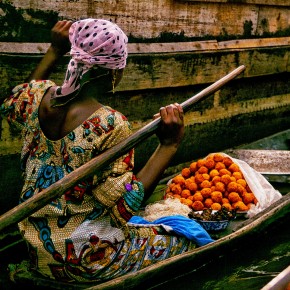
180	225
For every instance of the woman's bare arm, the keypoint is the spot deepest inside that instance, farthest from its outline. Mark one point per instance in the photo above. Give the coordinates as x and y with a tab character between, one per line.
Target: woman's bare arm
60	45
170	134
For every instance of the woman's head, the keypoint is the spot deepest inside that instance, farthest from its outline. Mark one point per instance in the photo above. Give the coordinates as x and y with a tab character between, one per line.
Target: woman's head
98	42
95	43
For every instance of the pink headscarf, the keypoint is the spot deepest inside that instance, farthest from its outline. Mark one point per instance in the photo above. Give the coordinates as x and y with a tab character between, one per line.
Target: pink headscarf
94	42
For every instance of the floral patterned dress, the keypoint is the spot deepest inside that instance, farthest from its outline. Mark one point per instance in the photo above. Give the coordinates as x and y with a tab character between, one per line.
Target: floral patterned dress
83	235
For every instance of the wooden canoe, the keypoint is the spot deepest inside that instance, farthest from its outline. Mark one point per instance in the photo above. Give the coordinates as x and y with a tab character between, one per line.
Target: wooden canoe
234	238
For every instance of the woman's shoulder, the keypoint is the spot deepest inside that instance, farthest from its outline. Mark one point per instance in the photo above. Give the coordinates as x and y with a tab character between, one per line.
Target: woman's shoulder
33	85
110	121
115	118
38	88
23	98
115	113
29	92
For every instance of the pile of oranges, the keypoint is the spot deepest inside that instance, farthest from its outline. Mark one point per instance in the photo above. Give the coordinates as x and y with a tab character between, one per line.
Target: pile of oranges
212	182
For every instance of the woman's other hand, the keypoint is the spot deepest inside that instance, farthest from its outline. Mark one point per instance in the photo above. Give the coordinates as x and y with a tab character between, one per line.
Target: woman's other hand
60	37
60	45
171	128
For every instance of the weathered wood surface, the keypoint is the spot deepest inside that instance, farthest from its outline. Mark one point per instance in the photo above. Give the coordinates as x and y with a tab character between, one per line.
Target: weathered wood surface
280	282
274	165
147	19
30	48
163	65
155	79
265	161
262	2
57	189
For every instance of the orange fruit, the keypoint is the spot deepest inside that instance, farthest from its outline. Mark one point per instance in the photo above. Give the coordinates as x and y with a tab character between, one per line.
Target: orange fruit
216	179
225	200
203	169
227	206
248	197
216	196
205	192
205	176
209	163
208	202
237	175
239	205
193	167
179	179
186	201
200	162
219	186
234	197
216	206
227	161
224	171
191	185
185	172
197	205
226	179
176	189
232	186
242	182
185	193
214	173
197	196
217	157
199	178
219	166
234	167
205	184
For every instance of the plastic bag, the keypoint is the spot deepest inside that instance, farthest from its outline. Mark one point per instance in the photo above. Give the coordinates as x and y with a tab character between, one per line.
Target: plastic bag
264	192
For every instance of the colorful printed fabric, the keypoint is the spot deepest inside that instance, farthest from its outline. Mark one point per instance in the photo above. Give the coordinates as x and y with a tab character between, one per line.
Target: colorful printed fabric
84	234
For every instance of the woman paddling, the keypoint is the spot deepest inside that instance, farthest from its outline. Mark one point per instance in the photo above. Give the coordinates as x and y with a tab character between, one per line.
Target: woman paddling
84	235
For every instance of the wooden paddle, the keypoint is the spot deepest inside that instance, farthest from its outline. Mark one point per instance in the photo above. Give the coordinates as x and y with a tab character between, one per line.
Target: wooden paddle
54	191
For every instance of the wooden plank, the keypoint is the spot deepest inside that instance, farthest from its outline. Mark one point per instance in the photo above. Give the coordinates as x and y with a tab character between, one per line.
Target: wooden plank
257	2
150	19
30	48
280	282
265	161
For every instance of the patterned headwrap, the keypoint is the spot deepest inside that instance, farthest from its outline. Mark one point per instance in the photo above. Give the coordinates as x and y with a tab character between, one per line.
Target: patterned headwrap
94	42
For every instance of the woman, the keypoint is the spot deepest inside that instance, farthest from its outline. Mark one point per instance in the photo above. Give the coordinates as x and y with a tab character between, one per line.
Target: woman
84	235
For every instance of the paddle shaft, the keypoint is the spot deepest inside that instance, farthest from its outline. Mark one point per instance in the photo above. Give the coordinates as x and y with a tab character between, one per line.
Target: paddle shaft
54	191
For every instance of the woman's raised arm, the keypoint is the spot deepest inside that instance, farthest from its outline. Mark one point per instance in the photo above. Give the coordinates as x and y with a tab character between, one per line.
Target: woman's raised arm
60	45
